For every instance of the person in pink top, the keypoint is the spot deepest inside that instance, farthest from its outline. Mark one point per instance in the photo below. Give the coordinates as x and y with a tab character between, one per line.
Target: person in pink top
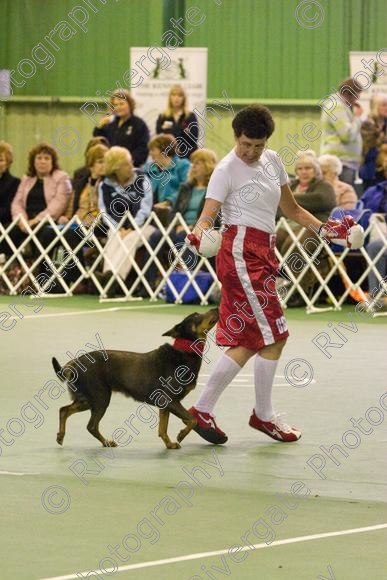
45	190
331	167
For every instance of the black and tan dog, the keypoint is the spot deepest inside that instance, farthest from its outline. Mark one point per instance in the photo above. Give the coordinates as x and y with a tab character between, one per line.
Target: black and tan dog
161	377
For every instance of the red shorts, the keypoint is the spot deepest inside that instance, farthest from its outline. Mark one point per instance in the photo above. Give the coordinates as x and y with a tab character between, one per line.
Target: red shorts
250	313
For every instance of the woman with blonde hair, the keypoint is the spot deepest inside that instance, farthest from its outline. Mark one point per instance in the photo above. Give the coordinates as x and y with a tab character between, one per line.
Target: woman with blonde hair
124	191
331	168
318	198
122	128
84	202
179	121
189	204
379	113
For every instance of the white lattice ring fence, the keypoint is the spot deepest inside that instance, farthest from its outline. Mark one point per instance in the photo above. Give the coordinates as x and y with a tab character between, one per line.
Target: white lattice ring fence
40	266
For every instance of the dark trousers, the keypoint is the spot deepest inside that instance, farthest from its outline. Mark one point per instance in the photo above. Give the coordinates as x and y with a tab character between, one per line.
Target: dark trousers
348	175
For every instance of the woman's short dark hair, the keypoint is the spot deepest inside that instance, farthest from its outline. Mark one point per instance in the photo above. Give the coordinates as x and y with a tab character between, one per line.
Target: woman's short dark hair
165	142
41	148
254	121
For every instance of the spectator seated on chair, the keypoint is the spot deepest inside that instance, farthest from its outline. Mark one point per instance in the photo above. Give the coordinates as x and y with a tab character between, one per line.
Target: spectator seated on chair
373	248
44	191
375	199
178	121
331	167
166	172
84	201
374	134
8	188
124	129
189	204
84	204
318	197
123	191
83	172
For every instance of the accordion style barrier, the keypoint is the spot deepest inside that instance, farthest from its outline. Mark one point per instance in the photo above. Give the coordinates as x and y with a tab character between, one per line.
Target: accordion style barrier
295	272
40	267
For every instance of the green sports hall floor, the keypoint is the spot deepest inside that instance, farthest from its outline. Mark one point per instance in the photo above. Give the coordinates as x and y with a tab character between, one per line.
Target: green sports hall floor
57	524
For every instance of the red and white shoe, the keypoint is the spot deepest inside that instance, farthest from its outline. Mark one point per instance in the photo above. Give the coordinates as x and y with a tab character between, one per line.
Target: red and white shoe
207	428
275	428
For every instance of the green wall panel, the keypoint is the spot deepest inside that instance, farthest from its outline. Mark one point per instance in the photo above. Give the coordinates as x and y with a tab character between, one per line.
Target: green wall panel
95	55
258	49
25	124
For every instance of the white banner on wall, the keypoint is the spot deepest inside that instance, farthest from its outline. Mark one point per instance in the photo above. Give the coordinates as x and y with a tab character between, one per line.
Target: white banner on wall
185	66
5	82
369	70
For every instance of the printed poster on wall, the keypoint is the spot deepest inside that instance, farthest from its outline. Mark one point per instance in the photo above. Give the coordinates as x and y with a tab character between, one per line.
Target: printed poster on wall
157	70
369	70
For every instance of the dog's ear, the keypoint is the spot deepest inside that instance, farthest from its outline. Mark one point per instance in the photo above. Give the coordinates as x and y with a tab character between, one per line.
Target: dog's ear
173	332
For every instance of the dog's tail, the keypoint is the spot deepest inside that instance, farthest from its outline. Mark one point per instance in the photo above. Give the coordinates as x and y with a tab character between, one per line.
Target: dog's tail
57	368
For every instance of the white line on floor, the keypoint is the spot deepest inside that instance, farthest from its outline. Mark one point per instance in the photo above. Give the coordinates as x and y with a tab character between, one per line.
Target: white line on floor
81	312
223	552
250	376
16	473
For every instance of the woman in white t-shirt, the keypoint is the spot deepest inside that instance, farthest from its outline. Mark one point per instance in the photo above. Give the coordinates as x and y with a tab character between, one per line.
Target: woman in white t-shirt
248	185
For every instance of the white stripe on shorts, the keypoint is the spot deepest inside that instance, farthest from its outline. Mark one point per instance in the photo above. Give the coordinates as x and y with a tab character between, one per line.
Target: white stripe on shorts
240	266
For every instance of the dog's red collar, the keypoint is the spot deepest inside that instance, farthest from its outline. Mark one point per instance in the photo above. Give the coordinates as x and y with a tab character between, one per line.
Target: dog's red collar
187	345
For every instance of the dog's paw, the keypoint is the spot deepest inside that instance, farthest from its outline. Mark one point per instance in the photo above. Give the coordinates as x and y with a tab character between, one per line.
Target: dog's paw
59	439
108	443
173	445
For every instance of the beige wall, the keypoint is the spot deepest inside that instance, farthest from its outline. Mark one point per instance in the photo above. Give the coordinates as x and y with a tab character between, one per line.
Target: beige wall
26	122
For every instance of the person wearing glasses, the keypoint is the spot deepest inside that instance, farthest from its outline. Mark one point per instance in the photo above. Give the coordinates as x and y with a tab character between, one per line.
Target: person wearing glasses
249	185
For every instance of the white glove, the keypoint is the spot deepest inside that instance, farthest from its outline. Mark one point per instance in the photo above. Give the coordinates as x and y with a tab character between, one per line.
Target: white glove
206	245
345	233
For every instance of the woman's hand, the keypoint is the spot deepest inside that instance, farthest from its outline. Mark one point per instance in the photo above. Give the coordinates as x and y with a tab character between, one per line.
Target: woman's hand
105	120
162	204
33	222
123	232
180	229
63	219
358	109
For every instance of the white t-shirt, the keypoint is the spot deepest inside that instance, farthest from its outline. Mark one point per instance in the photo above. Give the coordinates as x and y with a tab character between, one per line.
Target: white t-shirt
249	194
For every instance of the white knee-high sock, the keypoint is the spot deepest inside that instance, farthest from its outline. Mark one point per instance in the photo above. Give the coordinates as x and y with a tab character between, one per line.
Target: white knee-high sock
222	375
264	371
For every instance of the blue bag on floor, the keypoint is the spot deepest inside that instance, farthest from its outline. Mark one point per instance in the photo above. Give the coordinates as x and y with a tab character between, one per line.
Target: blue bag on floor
190	296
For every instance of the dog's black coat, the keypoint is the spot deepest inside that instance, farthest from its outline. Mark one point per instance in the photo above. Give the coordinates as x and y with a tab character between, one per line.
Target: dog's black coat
143	370
161	377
